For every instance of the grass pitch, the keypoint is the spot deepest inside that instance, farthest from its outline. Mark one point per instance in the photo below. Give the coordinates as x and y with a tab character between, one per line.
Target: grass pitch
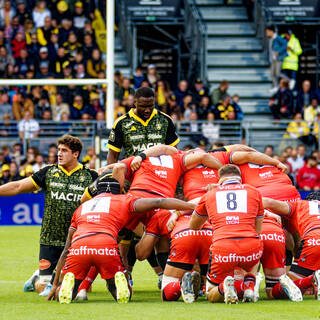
19	256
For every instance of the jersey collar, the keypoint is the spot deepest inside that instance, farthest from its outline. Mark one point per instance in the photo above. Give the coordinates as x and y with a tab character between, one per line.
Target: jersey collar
144	123
69	173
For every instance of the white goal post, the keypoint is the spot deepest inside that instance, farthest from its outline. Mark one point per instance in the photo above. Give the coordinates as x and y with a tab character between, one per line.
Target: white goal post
80	82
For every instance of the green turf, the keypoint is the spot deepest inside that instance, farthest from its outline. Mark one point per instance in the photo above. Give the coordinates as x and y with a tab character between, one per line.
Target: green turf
19	254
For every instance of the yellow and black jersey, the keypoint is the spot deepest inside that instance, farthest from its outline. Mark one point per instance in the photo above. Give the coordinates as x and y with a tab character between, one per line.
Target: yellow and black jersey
136	135
63	192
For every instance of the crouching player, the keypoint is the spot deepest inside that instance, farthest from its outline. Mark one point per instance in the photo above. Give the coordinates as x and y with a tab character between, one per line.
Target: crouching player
236	213
304	216
186	247
92	240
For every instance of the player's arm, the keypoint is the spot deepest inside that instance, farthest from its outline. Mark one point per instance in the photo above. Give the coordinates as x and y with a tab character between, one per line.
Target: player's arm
16	187
257	158
147	204
193	160
60	264
119	173
279	207
239	147
154	151
112	157
108	167
115	142
197	221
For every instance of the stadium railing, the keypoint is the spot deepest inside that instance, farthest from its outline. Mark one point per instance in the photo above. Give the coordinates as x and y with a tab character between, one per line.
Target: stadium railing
256	133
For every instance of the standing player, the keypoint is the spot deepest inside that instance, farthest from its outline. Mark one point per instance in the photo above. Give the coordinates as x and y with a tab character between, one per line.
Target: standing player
63	185
92	239
141	128
235	211
304	216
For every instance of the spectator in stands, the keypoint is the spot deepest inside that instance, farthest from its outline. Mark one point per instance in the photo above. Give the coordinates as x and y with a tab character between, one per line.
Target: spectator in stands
204	108
101	120
152	75
79	17
60	62
59	108
290	64
281	104
125	89
277	52
53	47
78	108
17	153
51	159
95	64
219	92
118	109
7	12
33	47
23	12
198	91
95	105
5	174
28	127
14	173
61	11
162	95
5	60
181	92
269	150
39	13
23	64
42	106
137	78
311	112
188	107
39	163
308	177
90	155
5	106
44	33
210	130
88	46
72	47
13	28
295	162
222	110
304	96
21	105
235	103
44	71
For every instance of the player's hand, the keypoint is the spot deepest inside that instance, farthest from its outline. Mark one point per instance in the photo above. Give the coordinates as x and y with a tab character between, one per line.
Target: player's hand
211	186
102	170
136	162
282	167
52	293
172	221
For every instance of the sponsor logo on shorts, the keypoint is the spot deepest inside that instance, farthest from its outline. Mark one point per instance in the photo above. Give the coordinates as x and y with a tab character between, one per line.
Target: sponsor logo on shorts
44	264
188	233
233	257
84	250
313	242
272	237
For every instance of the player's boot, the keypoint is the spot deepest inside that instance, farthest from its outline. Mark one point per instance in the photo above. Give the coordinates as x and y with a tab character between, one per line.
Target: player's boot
187	288
46	290
66	290
82	295
290	288
196	283
316	284
259	279
123	292
29	284
230	293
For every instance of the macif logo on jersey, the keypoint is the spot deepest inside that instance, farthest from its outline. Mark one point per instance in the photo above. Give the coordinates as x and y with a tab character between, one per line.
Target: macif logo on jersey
66	197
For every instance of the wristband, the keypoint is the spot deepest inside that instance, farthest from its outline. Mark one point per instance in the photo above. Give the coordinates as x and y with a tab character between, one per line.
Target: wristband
178	213
142	155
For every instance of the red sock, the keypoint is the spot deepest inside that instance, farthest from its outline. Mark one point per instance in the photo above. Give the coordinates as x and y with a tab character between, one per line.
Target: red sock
171	292
91	276
249	281
304	284
239	286
278	292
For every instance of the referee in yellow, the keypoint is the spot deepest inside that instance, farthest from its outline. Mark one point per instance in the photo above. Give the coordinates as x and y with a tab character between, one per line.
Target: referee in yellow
141	128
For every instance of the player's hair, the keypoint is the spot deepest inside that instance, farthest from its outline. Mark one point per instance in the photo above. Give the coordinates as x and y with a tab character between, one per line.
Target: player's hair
104	184
144	92
313	196
224	83
74	143
229	170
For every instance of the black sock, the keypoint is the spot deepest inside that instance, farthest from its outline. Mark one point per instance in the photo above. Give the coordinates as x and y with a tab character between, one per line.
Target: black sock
153	260
35	279
162	258
52	277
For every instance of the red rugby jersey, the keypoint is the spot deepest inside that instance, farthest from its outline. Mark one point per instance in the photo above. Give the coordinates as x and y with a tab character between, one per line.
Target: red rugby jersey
232	210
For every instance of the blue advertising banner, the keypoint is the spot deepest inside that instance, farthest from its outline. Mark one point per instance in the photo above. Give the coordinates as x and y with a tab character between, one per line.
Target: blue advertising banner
22	210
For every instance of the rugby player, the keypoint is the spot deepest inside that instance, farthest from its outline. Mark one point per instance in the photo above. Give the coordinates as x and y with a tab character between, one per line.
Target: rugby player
236	213
304	216
63	185
92	239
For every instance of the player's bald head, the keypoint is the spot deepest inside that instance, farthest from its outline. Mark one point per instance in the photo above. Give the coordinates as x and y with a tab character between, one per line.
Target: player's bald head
229	170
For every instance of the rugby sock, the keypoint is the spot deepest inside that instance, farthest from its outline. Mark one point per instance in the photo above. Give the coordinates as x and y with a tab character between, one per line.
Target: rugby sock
238	285
304	284
152	259
52	277
278	292
162	258
172	291
86	283
249	282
